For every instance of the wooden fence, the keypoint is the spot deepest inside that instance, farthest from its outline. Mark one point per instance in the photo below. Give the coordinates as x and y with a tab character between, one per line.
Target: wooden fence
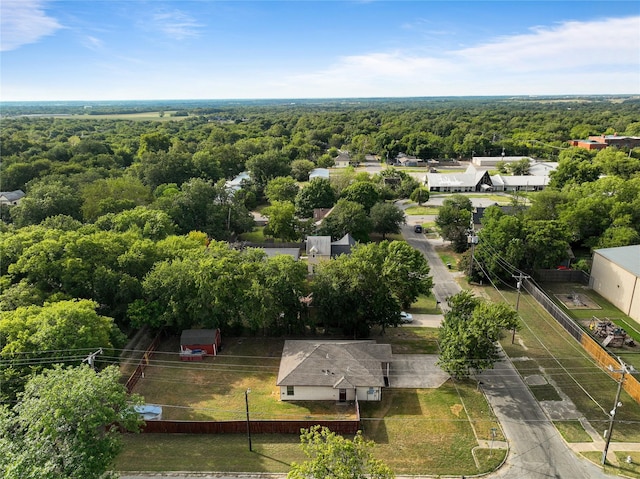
240	427
562	276
142	364
600	355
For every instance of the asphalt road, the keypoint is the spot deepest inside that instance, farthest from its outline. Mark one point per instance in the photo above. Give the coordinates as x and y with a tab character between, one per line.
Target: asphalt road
536	449
444	283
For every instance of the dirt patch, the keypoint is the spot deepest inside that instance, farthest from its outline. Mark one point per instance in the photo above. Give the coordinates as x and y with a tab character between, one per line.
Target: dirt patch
456	409
576	300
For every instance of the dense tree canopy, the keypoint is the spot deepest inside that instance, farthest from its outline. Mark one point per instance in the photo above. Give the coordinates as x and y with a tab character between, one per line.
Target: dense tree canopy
66	425
369	287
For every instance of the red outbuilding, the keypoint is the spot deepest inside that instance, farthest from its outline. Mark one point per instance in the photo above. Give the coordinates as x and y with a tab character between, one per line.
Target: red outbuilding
196	343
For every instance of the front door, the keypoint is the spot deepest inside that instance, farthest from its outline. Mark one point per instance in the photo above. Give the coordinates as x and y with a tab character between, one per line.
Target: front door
343	395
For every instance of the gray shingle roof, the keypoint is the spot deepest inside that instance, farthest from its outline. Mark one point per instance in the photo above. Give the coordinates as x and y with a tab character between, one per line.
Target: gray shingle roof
333	363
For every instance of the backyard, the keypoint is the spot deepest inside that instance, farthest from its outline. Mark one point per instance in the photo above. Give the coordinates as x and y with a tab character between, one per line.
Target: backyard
415	430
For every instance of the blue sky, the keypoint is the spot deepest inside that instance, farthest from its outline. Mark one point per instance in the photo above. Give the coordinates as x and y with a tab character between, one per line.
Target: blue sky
152	49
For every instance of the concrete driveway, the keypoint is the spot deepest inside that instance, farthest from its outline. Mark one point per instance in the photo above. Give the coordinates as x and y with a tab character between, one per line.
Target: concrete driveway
416	371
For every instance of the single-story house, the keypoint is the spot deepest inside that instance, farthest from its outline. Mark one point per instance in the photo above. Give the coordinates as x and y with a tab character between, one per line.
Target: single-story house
11	198
342	160
196	343
615	275
333	370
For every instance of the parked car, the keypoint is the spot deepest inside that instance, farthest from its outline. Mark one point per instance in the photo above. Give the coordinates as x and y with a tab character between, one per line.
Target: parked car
406	317
417	229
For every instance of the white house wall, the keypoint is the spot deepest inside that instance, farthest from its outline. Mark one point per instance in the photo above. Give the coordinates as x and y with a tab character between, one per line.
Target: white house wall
323	393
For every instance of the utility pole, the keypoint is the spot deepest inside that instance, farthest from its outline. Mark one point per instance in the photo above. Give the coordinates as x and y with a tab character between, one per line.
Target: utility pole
472	239
91	359
625	369
520	278
246	401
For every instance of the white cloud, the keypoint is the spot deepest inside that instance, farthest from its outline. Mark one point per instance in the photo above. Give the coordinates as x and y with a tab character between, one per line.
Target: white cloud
23	22
176	24
600	56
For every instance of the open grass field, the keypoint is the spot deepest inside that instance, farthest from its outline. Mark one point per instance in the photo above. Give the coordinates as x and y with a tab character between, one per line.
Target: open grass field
543	347
148	115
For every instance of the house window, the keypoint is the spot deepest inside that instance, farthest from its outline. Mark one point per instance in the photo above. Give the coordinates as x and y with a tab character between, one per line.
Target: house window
289	390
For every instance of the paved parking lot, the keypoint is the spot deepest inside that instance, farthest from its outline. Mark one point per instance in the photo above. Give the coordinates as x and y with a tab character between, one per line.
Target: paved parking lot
416	371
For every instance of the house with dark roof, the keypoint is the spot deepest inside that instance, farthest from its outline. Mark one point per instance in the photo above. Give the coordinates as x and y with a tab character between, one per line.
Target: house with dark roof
333	370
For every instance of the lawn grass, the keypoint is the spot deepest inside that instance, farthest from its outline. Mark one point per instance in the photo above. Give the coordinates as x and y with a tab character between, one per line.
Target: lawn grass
563	361
213	390
209	452
254	236
545	392
409	340
420	431
572	431
624	469
421	210
425	305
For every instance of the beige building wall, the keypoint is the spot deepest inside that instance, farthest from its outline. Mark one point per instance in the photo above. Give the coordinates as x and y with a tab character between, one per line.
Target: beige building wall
618	286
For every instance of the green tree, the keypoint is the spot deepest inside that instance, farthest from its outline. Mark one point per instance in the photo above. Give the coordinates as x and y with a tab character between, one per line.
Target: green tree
454	219
44	199
65	327
420	195
317	194
266	166
362	192
347	217
300	169
333	456
154	142
406	272
469	332
282	221
282	188
67	425
575	165
520	167
386	218
274	296
113	195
